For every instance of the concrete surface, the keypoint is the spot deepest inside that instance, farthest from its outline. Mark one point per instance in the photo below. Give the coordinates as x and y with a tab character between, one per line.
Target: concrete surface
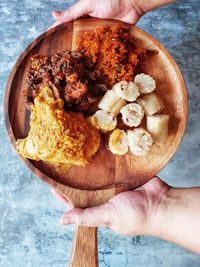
30	233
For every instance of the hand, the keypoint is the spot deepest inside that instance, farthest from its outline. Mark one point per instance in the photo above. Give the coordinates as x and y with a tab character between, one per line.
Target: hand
128	213
124	10
129	11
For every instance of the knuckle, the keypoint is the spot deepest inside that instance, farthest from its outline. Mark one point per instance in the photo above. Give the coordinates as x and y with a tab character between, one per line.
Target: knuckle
107	224
78	220
68	12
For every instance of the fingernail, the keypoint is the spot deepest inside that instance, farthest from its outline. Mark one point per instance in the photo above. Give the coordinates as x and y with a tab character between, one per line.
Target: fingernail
57	13
66	219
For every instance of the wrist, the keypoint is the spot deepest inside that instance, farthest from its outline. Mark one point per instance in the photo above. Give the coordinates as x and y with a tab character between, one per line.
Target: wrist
144	6
163	214
158	202
176	217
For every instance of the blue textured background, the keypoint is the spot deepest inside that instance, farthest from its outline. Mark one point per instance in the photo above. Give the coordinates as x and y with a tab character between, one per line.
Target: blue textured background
30	234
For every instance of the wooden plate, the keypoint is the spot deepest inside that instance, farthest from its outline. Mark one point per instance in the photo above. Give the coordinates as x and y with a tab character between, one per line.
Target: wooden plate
107	174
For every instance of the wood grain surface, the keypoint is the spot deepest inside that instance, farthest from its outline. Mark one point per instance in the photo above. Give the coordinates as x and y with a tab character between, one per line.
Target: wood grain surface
106	174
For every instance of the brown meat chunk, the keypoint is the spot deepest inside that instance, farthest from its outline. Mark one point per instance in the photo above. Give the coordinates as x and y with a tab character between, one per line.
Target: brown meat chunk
71	77
75	91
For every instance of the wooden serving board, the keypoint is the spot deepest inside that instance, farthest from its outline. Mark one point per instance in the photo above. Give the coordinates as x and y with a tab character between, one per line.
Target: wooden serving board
107	174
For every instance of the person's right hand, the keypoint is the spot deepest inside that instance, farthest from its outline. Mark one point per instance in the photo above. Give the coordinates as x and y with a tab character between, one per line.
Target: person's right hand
124	10
155	209
128	213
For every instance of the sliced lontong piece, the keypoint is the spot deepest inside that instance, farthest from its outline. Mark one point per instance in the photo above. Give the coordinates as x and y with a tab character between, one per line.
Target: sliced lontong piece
111	102
157	126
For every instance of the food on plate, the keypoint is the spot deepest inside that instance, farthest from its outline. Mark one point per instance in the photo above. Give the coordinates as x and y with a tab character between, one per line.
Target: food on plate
71	77
132	114
111	102
139	141
118	142
157	126
102	58
145	83
113	52
151	103
103	121
118	106
57	136
128	91
98	79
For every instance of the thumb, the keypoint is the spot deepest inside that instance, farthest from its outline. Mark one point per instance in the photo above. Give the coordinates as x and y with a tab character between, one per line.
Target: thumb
91	217
81	8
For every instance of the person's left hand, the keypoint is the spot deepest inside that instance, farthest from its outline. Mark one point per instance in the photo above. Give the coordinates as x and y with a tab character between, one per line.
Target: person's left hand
125	10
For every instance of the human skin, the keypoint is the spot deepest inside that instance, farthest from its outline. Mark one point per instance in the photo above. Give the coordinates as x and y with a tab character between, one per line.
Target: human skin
129	11
154	209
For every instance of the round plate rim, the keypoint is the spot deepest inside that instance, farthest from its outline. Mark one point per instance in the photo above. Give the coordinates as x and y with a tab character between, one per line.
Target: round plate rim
20	59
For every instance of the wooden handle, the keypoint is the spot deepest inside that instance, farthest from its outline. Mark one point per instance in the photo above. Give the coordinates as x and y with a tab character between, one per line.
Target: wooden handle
85	250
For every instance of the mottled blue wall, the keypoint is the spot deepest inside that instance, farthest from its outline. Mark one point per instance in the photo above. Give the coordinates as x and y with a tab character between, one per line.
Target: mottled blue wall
30	234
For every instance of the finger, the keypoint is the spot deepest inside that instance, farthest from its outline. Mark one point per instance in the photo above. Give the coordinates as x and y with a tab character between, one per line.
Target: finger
81	8
61	197
55	24
155	185
91	217
155	181
128	18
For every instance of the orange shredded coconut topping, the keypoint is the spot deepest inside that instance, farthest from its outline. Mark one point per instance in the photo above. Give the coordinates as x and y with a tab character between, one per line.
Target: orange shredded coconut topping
113	51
